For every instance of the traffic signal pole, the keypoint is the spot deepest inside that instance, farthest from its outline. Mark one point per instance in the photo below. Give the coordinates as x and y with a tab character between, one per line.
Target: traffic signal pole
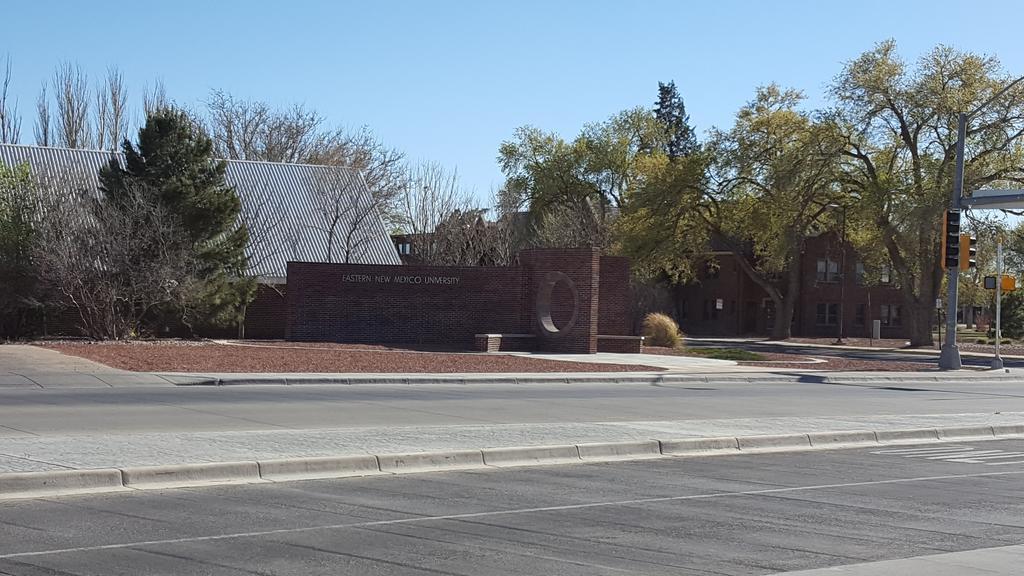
949	358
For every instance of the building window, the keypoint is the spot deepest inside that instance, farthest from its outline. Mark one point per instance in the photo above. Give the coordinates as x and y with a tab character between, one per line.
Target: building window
828	314
890	315
885	277
858	315
828	270
860	274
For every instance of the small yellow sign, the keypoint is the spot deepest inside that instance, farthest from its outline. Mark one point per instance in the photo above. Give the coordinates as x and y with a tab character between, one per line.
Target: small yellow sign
1009	283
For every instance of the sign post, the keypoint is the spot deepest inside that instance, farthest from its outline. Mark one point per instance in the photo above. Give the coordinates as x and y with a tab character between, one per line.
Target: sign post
997	362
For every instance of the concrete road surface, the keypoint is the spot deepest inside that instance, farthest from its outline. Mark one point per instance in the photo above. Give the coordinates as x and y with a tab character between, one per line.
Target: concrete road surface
939	509
31	412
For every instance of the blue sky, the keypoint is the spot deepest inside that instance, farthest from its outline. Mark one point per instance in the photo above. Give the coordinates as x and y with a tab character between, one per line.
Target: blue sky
448	81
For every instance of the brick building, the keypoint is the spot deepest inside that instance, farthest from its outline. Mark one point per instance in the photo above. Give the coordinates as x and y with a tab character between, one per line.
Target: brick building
724	301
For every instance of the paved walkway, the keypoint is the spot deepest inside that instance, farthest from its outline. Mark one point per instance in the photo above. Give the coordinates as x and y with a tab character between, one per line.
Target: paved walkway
1002	561
85	451
688	364
23	366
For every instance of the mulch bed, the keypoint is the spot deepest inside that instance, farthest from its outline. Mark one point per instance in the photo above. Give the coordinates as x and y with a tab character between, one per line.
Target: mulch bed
210	357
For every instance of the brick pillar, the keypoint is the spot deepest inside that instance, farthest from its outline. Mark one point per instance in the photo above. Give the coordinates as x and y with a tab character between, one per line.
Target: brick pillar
562	298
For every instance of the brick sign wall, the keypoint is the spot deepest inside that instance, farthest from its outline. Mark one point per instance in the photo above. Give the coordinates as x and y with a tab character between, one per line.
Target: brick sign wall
450	305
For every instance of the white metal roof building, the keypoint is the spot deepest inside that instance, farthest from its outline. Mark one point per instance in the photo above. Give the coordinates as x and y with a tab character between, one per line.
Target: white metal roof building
289	208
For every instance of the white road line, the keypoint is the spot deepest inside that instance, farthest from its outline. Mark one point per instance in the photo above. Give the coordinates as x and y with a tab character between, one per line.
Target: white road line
1004	463
510	512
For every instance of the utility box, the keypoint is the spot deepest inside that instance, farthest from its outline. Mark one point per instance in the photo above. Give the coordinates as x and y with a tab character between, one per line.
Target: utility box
876	329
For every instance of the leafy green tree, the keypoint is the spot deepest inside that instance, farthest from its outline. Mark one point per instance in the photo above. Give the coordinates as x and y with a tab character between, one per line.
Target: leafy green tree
680	139
761	189
1012	316
899	124
173	161
17	236
573	190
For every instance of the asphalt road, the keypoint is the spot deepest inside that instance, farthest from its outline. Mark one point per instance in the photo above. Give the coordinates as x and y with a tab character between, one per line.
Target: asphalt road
747	514
163	409
926	360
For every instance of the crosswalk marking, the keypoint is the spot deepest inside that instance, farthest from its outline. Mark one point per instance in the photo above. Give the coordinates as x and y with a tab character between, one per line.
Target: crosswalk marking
923	450
960	454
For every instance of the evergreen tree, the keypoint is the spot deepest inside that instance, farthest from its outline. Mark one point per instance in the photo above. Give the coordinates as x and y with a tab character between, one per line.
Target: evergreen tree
173	162
680	139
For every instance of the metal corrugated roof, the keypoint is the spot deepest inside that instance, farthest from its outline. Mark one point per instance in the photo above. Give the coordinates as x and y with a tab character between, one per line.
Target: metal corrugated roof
282	203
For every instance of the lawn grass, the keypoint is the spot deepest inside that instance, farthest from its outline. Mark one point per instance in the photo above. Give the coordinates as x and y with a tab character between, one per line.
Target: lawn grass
736	354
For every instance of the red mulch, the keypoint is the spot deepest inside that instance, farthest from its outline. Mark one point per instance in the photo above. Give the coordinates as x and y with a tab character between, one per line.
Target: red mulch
209	357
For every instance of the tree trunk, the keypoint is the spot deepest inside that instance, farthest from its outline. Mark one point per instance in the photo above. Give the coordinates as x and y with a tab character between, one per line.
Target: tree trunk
783	327
919	323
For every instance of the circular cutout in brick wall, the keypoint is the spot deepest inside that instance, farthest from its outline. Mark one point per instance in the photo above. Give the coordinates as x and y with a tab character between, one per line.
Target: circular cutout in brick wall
558	298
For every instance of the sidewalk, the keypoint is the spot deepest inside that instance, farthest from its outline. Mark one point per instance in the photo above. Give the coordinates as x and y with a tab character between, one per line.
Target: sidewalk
23	366
1002	561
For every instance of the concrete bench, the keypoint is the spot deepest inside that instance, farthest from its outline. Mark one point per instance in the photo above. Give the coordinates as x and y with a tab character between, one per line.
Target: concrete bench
620	344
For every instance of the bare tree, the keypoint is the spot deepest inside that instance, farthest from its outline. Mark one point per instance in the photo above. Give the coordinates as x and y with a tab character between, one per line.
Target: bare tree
430	195
10	122
154	98
115	264
254	130
43	134
71	88
111	110
344	214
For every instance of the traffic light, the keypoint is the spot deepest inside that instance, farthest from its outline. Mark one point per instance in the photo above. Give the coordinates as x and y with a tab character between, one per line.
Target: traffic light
951	239
968	251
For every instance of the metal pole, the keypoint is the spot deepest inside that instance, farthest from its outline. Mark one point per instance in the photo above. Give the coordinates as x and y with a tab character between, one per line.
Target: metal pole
949	358
997	362
842	281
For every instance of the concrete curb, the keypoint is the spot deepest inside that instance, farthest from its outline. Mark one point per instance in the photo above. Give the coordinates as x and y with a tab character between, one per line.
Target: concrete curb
531	455
620	450
67	482
841	439
318	467
645	378
179	475
57	482
773	442
431	461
